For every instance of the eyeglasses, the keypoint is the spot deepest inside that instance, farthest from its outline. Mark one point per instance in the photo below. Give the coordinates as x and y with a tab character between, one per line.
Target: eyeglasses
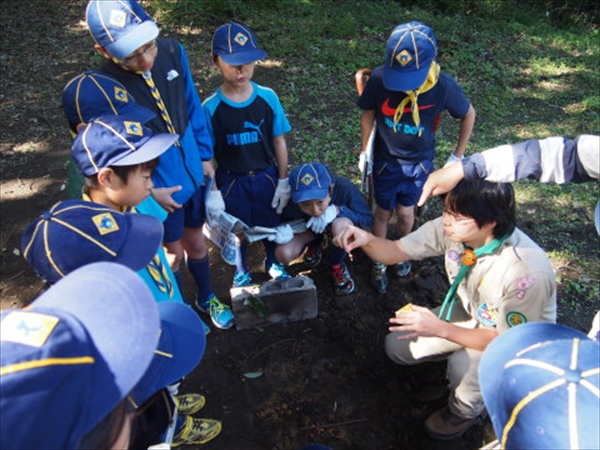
456	219
135	58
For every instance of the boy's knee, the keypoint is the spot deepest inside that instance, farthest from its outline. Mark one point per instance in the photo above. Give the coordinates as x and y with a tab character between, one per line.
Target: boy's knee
398	350
285	254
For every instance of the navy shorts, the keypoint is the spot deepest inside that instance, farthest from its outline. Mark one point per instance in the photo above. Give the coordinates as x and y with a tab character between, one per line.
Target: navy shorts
399	184
248	197
190	215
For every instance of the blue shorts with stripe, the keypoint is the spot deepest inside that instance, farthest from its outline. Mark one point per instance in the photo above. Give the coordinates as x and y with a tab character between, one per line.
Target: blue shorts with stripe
399	184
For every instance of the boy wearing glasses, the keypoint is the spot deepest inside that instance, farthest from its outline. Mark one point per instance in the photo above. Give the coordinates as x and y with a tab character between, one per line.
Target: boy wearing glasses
499	279
155	71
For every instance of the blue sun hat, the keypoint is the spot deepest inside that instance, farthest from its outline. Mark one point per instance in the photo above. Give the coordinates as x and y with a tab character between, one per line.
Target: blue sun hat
73	355
236	44
75	232
117	141
120	26
90	95
541	386
410	50
310	181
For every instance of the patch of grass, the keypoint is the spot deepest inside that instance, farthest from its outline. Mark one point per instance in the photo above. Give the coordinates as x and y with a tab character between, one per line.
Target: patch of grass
526	75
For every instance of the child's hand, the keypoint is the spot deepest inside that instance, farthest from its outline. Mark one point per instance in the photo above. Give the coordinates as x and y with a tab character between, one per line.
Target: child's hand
318	224
164	199
283	236
283	192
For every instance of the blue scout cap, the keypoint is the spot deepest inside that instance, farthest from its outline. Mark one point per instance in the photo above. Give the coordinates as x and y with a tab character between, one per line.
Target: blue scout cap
236	44
120	26
411	48
310	182
540	385
180	348
93	94
117	141
73	355
75	232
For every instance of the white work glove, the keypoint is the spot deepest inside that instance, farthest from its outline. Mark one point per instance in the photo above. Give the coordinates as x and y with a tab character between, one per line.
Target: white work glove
318	224
364	163
283	236
214	206
283	192
452	159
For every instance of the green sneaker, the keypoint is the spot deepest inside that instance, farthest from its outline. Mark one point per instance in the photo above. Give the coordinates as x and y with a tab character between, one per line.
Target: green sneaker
189	403
196	431
220	314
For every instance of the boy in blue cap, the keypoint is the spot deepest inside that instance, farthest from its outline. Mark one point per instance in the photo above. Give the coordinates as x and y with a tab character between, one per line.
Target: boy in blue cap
156	72
405	98
74	233
65	369
248	126
90	95
325	201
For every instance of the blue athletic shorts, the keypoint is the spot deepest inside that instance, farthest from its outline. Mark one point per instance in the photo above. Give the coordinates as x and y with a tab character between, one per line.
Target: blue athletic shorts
190	215
248	197
399	184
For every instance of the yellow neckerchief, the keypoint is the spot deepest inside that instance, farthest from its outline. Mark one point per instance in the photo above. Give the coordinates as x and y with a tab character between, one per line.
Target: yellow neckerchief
412	96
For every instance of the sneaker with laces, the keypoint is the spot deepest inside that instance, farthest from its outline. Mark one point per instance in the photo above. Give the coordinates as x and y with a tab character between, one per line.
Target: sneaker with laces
343	283
220	314
402	269
379	277
444	425
312	256
189	403
277	272
242	279
196	431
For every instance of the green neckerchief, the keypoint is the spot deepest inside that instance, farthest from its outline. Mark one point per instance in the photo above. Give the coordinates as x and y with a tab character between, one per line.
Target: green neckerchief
486	249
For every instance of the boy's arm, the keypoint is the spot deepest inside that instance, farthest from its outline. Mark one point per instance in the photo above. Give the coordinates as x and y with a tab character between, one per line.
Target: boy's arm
281	156
283	191
197	115
421	321
352	204
381	250
466	128
367	122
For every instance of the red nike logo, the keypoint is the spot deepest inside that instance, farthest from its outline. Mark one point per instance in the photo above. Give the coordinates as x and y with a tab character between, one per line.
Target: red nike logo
389	111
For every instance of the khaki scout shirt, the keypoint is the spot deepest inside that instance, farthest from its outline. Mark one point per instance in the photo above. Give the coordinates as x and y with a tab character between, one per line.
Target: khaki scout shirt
514	285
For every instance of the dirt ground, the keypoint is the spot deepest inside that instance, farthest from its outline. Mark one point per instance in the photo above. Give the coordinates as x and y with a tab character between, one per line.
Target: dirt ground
324	380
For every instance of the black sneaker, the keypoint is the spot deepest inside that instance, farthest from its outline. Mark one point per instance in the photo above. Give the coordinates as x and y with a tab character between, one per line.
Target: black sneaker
342	280
312	256
402	269
379	278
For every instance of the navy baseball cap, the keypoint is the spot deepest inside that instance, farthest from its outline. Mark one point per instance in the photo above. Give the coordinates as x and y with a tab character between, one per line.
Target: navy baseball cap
310	181
93	94
540	384
73	355
120	26
236	44
180	348
117	141
75	232
411	48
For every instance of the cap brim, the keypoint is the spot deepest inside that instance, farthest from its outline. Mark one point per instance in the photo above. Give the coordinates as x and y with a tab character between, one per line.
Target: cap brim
180	349
305	195
503	349
404	80
143	240
241	58
129	43
152	148
107	293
